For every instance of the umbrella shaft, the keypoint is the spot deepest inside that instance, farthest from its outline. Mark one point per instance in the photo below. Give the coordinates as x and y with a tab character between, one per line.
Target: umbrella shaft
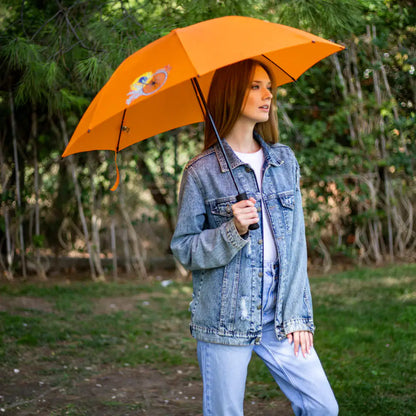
211	120
241	195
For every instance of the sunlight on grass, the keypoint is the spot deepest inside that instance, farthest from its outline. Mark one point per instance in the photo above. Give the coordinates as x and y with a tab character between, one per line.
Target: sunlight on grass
365	338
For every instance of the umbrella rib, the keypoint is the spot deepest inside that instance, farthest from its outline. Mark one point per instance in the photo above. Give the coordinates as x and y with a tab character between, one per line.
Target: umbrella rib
114	187
275	64
193	81
121	129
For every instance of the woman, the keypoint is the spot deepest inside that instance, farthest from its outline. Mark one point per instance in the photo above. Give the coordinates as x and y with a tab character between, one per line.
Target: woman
250	287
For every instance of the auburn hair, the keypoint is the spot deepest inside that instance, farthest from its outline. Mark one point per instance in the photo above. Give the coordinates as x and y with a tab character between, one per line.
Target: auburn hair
226	97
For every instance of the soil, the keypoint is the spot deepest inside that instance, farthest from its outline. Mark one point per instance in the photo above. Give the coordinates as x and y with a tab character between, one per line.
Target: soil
107	390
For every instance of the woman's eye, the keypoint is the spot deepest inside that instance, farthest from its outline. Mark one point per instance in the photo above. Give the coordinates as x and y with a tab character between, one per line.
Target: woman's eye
255	87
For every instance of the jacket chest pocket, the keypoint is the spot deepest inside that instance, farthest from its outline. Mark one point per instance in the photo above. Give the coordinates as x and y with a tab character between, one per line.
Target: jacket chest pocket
287	204
220	210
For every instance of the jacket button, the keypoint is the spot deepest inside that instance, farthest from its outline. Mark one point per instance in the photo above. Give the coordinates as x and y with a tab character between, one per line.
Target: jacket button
258	209
248	169
257	340
258	307
260	274
260	241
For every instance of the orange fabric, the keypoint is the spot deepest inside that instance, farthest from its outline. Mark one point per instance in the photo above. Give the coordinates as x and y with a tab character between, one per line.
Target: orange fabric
154	84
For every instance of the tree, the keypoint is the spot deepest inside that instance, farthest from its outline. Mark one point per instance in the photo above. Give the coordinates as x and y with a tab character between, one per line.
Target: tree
350	120
362	178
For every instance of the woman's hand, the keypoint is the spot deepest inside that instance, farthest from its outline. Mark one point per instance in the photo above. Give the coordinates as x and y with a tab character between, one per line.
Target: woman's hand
302	338
245	214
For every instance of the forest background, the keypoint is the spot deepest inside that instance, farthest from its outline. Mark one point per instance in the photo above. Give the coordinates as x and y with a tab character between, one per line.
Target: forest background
350	119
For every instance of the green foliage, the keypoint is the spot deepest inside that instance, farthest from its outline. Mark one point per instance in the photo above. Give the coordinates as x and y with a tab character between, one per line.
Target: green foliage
20	53
39	241
337	18
90	70
352	128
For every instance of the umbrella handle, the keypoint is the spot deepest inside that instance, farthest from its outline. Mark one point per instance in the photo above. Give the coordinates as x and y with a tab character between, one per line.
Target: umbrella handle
242	197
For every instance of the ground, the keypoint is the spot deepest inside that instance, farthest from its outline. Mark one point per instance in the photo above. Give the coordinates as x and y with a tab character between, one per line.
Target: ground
33	389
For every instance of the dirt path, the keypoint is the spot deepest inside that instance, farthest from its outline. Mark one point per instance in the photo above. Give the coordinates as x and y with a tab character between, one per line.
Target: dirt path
39	387
114	392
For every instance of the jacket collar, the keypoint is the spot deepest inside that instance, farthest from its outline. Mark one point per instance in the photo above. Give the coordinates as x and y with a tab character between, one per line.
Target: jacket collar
269	156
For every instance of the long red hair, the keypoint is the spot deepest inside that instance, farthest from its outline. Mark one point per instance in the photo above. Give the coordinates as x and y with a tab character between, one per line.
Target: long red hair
226	97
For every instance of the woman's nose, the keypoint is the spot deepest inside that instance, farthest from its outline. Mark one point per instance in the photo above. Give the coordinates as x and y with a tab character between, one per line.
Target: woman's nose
267	94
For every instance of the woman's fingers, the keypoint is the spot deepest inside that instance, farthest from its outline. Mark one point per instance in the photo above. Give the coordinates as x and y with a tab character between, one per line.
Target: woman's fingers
310	339
304	343
302	339
245	214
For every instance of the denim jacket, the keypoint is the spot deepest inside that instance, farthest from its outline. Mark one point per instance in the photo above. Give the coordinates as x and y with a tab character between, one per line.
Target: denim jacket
227	268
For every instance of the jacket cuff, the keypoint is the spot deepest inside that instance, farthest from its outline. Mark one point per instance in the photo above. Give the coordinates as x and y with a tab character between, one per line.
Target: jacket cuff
233	237
299	325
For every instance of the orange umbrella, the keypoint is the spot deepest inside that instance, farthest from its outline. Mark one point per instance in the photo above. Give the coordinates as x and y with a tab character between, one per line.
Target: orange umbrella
162	86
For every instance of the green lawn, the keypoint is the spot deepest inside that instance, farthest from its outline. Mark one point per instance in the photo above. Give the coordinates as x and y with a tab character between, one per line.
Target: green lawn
365	337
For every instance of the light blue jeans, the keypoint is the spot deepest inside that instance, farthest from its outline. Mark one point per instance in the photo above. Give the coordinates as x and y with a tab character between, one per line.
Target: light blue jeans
302	380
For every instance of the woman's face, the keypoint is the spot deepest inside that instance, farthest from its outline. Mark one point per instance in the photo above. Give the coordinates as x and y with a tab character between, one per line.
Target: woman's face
257	103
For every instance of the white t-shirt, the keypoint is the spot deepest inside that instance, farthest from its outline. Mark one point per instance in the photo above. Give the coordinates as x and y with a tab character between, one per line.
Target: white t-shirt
256	161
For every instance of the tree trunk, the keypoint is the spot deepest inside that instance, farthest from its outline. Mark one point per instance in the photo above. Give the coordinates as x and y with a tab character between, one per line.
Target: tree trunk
40	269
96	246
95	225
114	248
79	200
156	192
354	136
383	147
127	257
18	195
5	212
138	260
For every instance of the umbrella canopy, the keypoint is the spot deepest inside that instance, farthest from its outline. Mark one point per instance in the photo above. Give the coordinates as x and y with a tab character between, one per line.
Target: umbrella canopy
153	90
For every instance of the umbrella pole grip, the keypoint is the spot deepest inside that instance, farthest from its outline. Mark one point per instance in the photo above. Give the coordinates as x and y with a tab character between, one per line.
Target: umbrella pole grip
242	197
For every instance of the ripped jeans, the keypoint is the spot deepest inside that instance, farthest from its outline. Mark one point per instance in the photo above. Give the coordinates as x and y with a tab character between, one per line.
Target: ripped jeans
224	369
270	283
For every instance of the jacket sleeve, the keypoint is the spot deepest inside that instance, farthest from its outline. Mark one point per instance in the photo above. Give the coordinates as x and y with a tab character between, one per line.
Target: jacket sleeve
195	245
299	297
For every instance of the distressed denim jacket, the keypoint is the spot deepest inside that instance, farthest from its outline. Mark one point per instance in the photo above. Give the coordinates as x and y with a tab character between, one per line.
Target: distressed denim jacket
227	268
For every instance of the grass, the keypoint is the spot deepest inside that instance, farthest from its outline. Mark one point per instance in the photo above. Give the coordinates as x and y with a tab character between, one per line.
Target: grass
366	332
365	338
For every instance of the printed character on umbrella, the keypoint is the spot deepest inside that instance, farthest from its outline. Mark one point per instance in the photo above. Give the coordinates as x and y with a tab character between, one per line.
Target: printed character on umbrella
250	286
